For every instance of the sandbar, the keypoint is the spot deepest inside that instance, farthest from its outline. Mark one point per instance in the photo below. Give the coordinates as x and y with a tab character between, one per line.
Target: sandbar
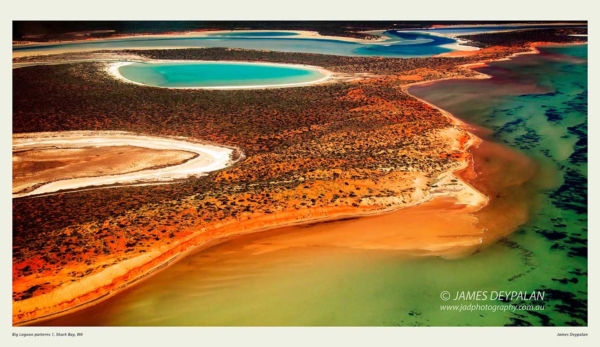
209	157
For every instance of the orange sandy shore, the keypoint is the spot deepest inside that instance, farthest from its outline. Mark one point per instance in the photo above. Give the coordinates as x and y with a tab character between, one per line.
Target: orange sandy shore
109	282
98	287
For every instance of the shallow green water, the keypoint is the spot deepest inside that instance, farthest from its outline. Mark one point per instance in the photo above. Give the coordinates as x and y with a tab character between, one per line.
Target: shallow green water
217	74
536	105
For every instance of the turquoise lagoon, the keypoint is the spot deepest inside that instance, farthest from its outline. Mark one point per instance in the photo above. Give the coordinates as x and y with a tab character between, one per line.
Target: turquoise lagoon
218	74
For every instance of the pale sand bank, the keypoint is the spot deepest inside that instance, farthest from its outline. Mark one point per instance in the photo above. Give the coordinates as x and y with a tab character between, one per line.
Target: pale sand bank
300	34
210	157
32	168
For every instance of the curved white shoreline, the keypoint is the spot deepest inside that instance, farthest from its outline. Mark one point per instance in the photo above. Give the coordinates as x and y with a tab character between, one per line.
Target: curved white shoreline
300	35
210	157
113	69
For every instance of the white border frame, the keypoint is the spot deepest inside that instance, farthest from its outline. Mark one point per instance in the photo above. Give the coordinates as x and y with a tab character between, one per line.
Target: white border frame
298	10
